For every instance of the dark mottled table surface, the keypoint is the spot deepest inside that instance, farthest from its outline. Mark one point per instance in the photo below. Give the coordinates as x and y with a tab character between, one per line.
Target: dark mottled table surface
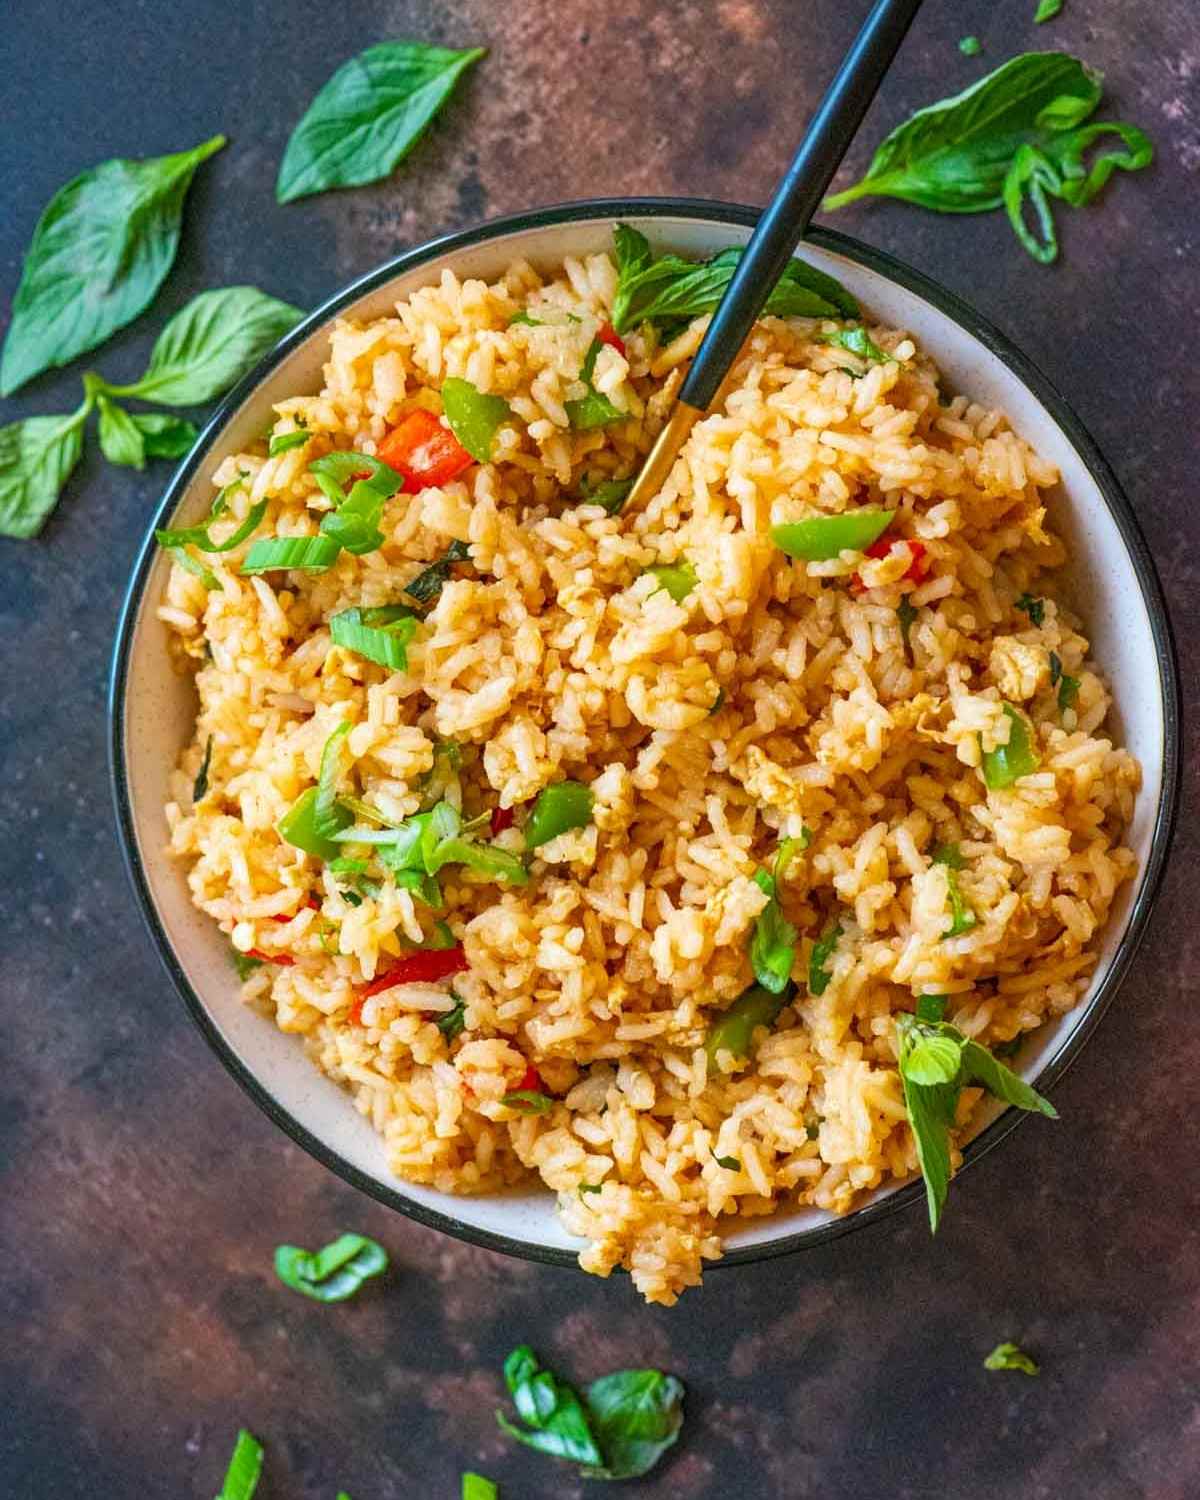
143	1193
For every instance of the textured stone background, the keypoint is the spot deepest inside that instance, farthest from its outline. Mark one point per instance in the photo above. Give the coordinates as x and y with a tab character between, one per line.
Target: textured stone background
143	1193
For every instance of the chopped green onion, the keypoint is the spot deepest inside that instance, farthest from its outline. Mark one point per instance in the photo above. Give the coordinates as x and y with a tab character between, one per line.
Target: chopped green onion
364	810
334	1273
487	859
327	817
329	488
194	566
309	554
283	442
734	1031
298	826
474	417
823	538
773	942
245	1468
344	866
677	579
1008	763
341	466
528	1102
558	809
200	785
962	918
823	950
355	523
386	644
199	536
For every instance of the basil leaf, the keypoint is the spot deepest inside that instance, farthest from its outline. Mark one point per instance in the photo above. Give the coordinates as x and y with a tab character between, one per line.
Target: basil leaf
474	416
36	460
823	950
476	1487
99	254
931	1008
427	585
906	613
636	1416
210	344
555	1420
773	943
200	785
730	1163
1008	1357
309	554
1034	608
953	155
387	645
284	442
245	1468
334	1273
855	341
932	1059
979	1066
451	1023
1046	11
164	436
671	288
369	116
120	441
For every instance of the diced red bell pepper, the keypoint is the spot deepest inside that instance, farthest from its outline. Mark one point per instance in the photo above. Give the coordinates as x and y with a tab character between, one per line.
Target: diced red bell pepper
502	818
284	959
531	1083
608	335
424	451
425	967
917	568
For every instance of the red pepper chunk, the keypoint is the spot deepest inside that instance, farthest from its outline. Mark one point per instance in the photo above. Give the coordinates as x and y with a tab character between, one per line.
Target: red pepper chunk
502	818
917	567
424	451
284	959
531	1083
608	335
425	967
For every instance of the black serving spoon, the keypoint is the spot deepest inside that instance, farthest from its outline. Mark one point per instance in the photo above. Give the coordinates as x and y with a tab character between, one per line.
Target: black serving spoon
780	229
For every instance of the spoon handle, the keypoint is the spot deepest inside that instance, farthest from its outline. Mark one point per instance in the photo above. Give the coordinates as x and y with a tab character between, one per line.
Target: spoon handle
786	217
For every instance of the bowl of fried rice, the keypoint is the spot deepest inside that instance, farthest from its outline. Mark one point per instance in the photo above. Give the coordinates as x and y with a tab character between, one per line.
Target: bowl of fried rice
654	887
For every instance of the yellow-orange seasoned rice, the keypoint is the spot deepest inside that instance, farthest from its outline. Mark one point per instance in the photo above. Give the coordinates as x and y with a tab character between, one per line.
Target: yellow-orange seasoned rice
778	696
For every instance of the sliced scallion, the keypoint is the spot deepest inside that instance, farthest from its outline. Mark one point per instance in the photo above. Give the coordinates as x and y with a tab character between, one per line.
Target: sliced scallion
307	554
385	643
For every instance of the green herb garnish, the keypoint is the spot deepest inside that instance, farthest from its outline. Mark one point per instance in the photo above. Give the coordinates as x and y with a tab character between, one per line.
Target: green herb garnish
592	410
773	941
619	1429
284	442
245	1469
931	1008
200	785
307	554
823	950
451	1023
37	457
199	536
164	436
369	116
1034	608
1010	1357
823	538
970	46
730	1163
355	523
855	341
906	614
1068	691
610	494
342	466
334	1273
1046	11
1019	131
528	1102
244	964
962	918
476	1487
428	583
936	1062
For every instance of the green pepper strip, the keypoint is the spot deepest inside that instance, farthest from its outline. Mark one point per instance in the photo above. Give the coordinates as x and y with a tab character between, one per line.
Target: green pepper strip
298	826
822	538
558	809
474	416
734	1032
1008	763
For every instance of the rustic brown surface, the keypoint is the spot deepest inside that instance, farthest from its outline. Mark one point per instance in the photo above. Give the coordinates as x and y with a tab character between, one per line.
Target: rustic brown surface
143	1193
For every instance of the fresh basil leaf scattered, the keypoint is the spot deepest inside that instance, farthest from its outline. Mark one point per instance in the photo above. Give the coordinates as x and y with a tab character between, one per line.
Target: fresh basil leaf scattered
245	1469
369	116
1068	691
427	585
284	442
1009	1357
773	941
931	1008
451	1023
99	254
932	1059
200	785
980	1067
1046	11
37	457
164	436
636	1415
730	1163
308	554
476	1487
385	643
906	614
528	1102
553	1414
120	441
474	416
823	950
855	341
209	345
671	288
334	1273
1034	608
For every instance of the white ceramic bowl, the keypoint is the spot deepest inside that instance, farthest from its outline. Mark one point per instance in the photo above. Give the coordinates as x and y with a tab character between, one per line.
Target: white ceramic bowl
1112	582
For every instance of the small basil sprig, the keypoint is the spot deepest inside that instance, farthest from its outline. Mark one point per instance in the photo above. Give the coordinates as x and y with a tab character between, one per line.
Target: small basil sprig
99	254
1016	133
245	1468
936	1062
37	457
369	116
618	1429
334	1273
428	583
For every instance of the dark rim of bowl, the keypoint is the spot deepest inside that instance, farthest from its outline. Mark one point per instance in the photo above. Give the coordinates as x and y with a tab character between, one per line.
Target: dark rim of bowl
893	270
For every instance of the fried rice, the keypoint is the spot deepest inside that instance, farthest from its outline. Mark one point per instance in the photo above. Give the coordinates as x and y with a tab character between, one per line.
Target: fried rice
846	704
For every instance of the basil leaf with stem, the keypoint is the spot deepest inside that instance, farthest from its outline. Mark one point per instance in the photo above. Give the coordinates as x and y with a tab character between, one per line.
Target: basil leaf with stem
164	436
120	441
334	1273
208	346
474	416
245	1468
554	1417
99	254
37	457
200	785
369	116
730	1163
636	1415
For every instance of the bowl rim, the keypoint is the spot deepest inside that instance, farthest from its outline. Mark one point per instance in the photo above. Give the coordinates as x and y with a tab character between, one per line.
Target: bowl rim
743	217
